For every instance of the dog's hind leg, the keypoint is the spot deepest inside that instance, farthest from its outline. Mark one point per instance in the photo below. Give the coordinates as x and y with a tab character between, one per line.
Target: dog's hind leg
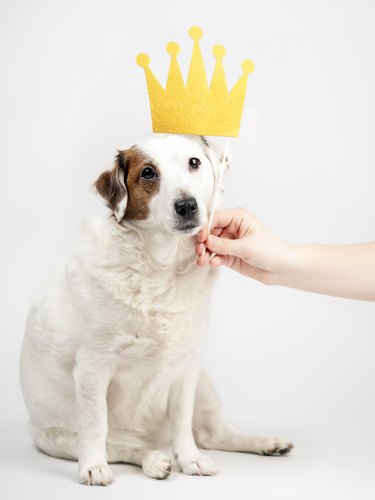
212	432
63	443
55	441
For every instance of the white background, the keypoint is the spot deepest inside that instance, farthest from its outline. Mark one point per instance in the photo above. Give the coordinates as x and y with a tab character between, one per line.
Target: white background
297	364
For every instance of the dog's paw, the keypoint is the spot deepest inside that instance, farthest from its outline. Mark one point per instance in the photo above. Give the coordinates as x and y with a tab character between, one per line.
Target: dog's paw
198	465
156	465
95	475
275	447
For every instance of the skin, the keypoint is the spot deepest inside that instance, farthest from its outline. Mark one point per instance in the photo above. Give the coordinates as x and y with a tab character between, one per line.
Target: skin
239	241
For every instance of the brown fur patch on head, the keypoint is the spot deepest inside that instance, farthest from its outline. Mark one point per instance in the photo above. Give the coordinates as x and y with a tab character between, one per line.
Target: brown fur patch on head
140	191
123	188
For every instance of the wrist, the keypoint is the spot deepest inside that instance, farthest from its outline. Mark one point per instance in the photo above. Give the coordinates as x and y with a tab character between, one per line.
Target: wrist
292	264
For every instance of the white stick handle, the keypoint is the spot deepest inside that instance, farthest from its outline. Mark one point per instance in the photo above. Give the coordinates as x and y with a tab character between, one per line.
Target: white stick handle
217	188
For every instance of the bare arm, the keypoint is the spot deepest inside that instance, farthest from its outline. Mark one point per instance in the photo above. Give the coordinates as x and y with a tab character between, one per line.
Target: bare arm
241	242
341	270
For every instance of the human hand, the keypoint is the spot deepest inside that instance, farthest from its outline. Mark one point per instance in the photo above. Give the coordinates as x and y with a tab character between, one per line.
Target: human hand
239	241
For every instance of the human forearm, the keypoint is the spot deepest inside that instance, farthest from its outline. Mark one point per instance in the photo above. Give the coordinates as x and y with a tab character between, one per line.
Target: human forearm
340	270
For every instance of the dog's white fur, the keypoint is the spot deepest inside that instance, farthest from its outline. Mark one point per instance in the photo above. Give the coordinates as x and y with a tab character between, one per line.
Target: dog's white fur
110	366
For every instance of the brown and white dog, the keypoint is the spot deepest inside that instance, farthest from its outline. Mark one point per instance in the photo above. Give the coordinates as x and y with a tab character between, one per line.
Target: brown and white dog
110	364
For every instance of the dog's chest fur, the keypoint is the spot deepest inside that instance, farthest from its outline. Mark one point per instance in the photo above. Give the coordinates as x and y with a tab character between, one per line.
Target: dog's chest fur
149	296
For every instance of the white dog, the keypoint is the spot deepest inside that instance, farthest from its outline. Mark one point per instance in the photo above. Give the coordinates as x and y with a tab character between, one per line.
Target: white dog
110	366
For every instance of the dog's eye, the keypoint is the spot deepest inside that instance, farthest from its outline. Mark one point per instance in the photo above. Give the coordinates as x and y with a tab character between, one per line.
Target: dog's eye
148	173
194	163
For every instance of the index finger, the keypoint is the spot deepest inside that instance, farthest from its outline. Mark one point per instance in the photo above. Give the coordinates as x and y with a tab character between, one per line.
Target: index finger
230	219
203	233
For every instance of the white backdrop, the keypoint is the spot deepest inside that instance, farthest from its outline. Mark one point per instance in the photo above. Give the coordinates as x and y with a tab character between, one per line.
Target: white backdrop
71	94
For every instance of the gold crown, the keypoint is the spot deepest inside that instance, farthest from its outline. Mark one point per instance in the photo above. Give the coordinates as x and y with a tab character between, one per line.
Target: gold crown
196	108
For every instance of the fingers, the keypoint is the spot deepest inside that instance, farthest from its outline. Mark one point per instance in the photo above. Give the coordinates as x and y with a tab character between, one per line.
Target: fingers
209	257
232	223
202	235
233	219
221	219
202	259
224	218
224	239
204	232
224	246
219	260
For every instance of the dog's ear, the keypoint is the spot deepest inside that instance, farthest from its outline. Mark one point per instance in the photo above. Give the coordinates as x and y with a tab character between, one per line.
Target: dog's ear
111	186
215	152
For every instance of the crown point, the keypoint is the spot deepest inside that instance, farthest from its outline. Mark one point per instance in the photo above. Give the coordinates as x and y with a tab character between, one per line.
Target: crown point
195	33
143	60
247	66
218	51
173	48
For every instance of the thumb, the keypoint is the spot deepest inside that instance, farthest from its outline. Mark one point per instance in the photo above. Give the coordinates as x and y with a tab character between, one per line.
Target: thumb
224	246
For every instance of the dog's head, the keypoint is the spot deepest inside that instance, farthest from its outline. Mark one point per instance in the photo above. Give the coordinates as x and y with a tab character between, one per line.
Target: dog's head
166	180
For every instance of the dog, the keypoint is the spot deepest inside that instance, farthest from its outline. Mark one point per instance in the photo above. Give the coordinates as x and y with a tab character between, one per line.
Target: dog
110	362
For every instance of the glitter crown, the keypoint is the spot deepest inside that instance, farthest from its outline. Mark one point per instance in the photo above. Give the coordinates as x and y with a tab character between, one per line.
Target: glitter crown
196	108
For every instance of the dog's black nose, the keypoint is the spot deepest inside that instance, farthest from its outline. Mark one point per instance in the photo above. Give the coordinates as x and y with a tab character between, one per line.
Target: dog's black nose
186	209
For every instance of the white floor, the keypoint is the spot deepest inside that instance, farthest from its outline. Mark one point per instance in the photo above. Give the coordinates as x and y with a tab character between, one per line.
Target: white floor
317	469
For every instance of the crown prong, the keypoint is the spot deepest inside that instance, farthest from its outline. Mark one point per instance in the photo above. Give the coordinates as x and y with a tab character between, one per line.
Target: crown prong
195	33
143	60
197	80
247	66
218	83
175	82
173	49
218	51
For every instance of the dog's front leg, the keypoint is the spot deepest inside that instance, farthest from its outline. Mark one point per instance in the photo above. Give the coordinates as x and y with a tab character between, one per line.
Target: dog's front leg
181	407
91	383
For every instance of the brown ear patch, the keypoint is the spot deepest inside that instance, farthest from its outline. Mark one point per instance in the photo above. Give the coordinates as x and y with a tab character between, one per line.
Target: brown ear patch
140	191
111	187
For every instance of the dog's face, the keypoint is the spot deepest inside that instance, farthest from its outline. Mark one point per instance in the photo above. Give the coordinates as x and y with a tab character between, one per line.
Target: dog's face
168	181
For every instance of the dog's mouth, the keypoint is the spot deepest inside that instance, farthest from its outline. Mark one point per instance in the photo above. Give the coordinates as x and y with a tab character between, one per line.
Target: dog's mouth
187	228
